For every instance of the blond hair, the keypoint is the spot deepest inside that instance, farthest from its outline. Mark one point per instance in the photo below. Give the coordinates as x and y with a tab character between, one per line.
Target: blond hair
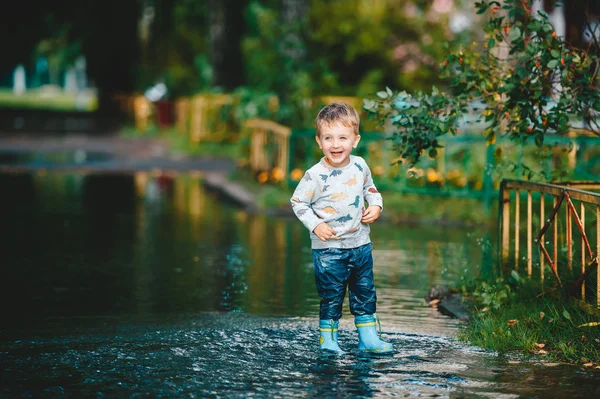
337	113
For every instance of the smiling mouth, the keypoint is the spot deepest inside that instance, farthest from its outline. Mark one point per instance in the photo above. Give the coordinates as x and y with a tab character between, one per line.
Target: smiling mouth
337	152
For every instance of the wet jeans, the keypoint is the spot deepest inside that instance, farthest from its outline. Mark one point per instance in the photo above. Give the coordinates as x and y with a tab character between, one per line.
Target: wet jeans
338	268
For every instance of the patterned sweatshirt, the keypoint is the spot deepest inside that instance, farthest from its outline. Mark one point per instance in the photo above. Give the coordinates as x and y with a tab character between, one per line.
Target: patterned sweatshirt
336	196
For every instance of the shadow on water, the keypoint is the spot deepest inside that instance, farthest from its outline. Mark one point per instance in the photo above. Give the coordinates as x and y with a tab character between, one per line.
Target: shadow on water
142	285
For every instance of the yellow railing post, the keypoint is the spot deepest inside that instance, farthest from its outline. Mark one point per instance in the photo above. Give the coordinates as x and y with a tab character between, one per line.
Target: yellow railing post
569	239
555	240
597	256
529	233
582	218
142	109
505	224
182	115
197	120
517	220
542	222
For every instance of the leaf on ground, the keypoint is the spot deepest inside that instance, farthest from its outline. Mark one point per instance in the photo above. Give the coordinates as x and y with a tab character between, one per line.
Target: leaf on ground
542	352
589	364
540	346
542	314
551	364
592	324
566	314
512	322
514	362
434	302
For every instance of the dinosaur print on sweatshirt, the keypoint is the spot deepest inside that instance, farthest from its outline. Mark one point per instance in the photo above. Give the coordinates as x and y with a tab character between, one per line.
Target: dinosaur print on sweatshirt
336	196
352	230
301	212
344	219
351	182
339	196
356	202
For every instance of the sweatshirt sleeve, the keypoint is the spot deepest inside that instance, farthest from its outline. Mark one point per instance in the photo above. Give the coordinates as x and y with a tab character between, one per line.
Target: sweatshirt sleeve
370	193
302	201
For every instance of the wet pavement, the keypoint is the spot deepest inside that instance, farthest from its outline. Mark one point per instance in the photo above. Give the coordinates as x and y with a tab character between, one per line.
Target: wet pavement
98	152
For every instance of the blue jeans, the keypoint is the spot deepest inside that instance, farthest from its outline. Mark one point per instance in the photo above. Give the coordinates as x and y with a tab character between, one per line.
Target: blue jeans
338	268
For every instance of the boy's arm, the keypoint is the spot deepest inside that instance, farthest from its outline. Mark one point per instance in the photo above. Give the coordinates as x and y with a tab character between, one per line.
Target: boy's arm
302	202
370	193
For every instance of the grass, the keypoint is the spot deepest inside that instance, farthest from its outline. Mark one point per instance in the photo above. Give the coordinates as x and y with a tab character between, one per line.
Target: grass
45	100
179	143
548	326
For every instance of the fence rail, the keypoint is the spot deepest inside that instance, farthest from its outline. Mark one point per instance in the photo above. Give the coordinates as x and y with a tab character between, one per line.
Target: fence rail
463	168
563	197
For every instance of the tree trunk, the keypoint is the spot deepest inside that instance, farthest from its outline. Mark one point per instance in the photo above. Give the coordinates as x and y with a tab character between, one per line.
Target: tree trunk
226	27
293	14
293	52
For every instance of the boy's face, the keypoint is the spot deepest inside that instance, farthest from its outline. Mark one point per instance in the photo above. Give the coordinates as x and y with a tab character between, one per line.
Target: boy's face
337	142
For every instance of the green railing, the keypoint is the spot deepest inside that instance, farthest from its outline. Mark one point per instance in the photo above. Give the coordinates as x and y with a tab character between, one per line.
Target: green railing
467	166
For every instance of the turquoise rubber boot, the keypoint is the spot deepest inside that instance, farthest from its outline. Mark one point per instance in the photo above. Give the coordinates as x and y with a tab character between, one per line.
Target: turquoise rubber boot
329	336
368	338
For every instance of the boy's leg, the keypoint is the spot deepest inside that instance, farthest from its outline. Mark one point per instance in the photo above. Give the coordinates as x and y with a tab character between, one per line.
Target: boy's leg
363	301
331	277
363	298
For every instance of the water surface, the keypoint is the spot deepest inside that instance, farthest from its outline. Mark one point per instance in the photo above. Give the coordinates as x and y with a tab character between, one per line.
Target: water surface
117	285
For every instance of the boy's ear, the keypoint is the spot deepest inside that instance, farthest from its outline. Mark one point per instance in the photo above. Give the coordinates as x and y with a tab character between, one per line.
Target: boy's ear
318	141
356	140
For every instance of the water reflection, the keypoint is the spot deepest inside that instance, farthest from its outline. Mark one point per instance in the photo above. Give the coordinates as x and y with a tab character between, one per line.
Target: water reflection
145	284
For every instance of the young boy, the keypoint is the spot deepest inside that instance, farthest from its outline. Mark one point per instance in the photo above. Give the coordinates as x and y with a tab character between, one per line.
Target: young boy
329	201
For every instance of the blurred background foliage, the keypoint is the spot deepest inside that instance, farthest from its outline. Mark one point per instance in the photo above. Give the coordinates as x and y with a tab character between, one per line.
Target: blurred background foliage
295	49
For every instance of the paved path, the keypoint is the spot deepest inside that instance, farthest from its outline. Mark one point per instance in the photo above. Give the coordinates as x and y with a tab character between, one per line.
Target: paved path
110	153
116	154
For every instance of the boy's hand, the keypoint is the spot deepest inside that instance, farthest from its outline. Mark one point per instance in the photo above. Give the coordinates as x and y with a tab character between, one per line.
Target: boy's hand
324	232
371	214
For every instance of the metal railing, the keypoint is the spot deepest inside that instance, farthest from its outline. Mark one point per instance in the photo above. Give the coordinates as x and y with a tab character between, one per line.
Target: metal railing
561	240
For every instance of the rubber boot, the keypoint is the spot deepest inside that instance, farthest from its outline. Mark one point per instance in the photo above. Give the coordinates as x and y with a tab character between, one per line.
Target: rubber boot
329	336
368	338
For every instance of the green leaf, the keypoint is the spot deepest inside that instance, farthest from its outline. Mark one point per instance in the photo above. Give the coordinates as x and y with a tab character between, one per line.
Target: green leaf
514	34
555	53
552	64
491	43
566	314
369	105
